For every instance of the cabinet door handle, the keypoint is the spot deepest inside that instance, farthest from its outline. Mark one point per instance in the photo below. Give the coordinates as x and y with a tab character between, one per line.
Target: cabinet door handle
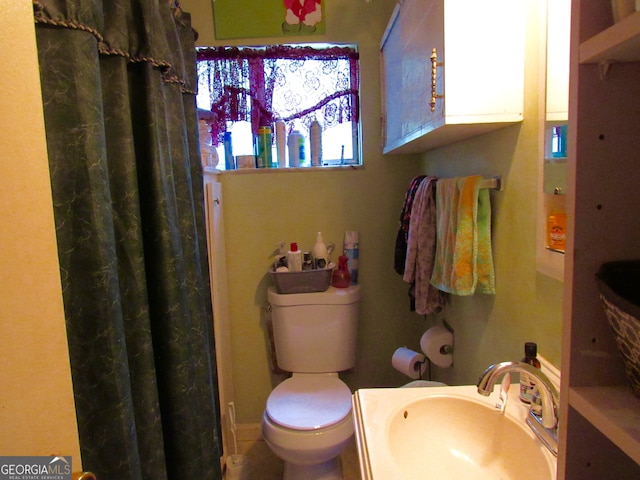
434	77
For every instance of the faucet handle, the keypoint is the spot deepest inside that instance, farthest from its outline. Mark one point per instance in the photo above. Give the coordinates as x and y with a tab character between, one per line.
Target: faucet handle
536	402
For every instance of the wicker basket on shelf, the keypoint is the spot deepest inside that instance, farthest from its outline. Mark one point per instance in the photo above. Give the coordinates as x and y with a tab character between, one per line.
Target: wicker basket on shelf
619	285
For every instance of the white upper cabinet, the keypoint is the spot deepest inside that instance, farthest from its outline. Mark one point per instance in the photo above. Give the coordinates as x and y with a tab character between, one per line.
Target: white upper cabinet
451	69
558	36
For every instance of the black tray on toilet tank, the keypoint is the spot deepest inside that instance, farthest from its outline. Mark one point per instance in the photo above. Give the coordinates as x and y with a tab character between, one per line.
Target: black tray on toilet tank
307	281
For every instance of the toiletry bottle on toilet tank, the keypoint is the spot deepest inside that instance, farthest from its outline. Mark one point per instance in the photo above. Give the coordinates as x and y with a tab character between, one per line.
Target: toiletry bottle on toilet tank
307	261
527	384
341	278
320	254
352	251
294	258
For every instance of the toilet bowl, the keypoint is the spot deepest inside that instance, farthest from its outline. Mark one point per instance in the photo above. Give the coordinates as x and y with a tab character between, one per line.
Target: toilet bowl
423	383
307	421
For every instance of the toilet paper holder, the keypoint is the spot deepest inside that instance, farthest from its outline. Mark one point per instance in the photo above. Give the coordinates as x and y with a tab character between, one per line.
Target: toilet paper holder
437	345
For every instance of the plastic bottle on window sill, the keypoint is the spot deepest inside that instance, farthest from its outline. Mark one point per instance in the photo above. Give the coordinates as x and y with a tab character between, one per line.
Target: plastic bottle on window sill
316	144
229	163
281	141
341	278
262	148
297	156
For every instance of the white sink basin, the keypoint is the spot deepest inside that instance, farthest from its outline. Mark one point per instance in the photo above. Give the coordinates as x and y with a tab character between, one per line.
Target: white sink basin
446	433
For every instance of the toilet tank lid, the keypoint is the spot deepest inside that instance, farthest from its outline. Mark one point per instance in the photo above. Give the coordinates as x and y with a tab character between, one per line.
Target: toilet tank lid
332	296
309	402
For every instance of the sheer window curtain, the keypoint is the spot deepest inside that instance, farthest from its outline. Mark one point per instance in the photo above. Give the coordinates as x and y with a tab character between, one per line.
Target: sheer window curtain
118	81
241	83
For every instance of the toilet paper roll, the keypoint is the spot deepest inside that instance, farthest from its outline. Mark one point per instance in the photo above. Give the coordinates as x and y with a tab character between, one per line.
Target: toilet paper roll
435	343
408	362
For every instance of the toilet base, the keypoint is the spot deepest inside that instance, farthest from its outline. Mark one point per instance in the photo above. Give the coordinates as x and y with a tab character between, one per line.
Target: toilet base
330	470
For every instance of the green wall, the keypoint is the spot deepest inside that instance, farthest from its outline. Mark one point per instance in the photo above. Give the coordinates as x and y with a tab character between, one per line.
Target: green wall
261	209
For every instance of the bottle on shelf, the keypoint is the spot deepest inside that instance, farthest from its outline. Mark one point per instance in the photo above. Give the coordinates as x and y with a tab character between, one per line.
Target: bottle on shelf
557	231
527	385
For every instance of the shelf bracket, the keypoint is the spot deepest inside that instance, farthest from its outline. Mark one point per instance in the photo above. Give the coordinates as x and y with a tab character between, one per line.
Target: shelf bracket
603	69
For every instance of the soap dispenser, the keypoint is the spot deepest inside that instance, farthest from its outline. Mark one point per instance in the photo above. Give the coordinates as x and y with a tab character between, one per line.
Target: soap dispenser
341	277
320	253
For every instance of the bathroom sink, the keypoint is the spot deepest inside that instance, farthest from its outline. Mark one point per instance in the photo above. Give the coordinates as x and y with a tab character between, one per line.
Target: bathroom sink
446	433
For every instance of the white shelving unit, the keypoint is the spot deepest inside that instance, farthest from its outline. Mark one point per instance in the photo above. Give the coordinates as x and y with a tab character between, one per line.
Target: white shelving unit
600	435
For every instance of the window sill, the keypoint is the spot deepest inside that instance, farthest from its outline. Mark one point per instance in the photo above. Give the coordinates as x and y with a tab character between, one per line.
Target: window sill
261	171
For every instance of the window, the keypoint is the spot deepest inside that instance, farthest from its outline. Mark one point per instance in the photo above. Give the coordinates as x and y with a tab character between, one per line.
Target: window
243	88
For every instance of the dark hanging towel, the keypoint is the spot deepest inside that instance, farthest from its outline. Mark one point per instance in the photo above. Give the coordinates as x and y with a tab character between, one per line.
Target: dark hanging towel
403	228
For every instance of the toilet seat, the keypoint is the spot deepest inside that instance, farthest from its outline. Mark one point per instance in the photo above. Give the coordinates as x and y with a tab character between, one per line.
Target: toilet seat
309	402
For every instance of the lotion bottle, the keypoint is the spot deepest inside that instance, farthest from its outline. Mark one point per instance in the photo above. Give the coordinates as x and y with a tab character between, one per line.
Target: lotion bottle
320	254
294	258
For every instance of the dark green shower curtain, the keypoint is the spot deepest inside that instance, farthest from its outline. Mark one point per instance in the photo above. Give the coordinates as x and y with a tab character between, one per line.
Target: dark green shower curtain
118	83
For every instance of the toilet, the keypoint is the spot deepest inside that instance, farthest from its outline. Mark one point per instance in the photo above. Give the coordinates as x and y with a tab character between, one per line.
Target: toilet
307	421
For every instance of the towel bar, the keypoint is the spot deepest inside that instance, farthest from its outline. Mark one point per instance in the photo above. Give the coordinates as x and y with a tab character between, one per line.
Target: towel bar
493	182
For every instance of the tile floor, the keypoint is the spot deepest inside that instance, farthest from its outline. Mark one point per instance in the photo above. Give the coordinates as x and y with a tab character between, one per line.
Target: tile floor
264	465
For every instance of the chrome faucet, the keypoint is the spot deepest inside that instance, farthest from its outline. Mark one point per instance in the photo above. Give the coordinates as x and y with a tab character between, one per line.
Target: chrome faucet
543	424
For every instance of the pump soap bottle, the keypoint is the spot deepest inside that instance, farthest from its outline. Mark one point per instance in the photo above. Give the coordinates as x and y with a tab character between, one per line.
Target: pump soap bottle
527	385
320	253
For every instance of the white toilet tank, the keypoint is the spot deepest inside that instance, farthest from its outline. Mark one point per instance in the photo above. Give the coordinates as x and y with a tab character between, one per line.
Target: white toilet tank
316	332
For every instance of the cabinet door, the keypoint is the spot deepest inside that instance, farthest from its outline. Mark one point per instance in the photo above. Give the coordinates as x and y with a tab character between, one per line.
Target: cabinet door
416	27
479	72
